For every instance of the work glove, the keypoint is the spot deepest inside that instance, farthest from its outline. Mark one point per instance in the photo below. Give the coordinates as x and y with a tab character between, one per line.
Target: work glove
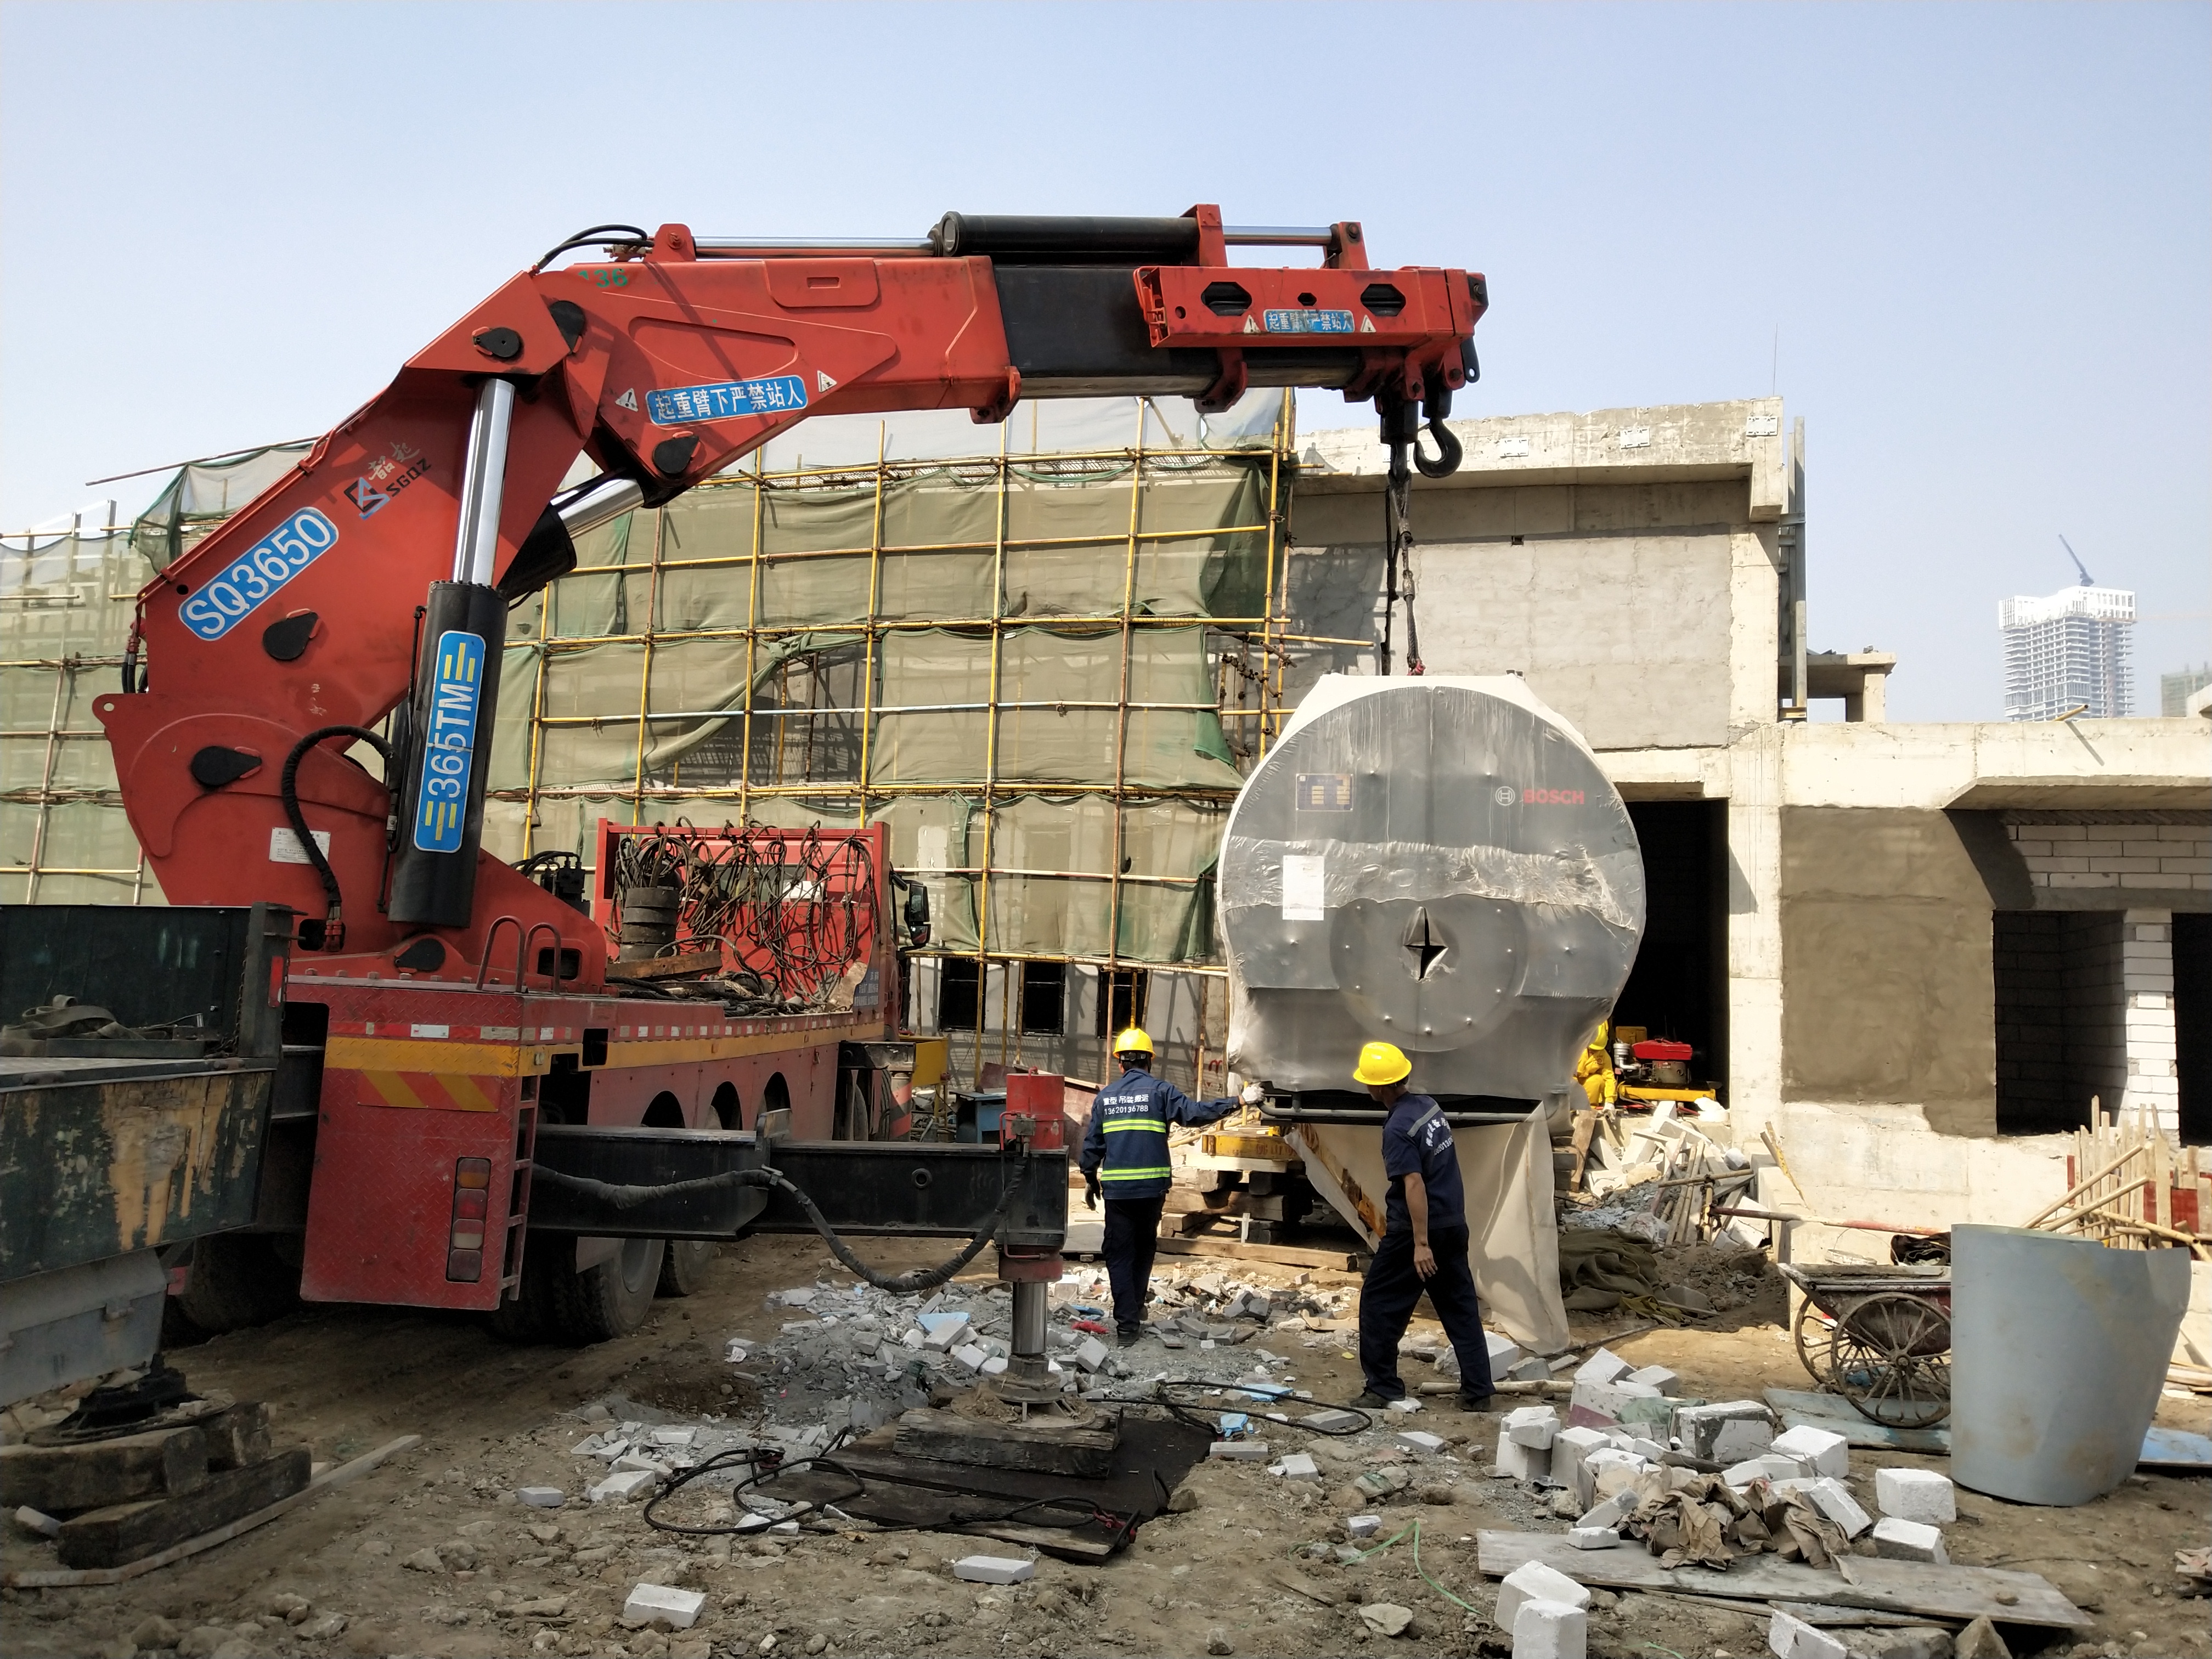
1089	1190
1253	1095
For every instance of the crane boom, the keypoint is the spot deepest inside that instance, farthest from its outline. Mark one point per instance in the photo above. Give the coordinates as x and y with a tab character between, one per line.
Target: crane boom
378	574
2088	580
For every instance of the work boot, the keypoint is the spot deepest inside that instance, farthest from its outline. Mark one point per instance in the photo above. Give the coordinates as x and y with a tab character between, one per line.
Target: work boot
1126	1335
1476	1402
1371	1401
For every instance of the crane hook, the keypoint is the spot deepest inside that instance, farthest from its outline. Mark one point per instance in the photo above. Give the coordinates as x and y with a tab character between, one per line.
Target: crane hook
1448	452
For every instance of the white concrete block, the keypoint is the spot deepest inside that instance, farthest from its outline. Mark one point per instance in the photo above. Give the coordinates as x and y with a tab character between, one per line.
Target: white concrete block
1504	1352
1569	1448
1623	1474
994	1569
1649	1450
1406	1406
647	1602
944	1331
1420	1440
624	1488
971	1355
1550	1629
1608	1398
1790	1638
995	1366
634	1461
37	1521
680	1436
1296	1466
1532	1581
1090	1353
1830	1497
1908	1541
1239	1451
1532	1427
1330	1421
1523	1463
541	1498
1364	1526
1656	1377
1771	1467
1920	1495
1609	1512
1727	1431
1603	1366
1594	1538
1820	1451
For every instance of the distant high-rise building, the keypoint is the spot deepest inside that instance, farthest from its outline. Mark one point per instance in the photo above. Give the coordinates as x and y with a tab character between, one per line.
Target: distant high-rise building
2070	650
2173	689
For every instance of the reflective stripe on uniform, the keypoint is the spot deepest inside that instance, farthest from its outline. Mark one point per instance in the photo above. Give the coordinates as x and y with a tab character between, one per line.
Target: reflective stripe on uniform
1157	1126
1423	1121
1161	1173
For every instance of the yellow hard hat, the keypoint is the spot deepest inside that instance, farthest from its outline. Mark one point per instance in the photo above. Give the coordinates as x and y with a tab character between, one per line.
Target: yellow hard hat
1381	1063
1133	1042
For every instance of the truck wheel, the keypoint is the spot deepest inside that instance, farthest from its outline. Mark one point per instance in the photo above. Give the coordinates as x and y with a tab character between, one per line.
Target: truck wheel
610	1300
237	1281
684	1267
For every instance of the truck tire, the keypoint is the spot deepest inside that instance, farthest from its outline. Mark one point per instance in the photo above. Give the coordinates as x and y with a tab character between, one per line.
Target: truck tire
610	1300
237	1281
684	1265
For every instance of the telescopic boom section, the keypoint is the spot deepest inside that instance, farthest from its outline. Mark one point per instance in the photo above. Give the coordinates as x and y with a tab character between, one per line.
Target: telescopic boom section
378	574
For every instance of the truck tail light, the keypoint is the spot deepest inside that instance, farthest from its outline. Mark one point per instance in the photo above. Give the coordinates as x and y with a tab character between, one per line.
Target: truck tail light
464	1244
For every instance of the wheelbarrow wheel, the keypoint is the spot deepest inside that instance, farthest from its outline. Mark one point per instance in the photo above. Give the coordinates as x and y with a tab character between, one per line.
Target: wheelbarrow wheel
1814	1334
1892	1359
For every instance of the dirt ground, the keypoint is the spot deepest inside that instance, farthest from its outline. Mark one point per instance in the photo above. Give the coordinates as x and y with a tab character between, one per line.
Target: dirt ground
501	1578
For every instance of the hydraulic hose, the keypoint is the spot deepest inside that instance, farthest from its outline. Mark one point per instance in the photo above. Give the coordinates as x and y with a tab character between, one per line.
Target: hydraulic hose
287	787
922	1278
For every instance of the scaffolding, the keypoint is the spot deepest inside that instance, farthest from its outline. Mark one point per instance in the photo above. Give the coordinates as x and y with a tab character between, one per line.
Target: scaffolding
1045	669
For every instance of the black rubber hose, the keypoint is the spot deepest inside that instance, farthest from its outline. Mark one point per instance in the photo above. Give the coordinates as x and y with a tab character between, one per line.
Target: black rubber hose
593	237
288	787
922	1278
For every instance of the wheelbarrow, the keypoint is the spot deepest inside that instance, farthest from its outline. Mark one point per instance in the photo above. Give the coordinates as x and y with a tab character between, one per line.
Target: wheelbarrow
1880	1335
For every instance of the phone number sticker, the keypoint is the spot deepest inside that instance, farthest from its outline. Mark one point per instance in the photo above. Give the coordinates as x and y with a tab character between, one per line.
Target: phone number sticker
231	598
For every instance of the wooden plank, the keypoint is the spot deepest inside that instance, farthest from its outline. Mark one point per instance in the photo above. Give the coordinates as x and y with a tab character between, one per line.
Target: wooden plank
123	1532
98	1474
64	1578
1942	1592
1054	1449
688	966
1288	1256
1803	1408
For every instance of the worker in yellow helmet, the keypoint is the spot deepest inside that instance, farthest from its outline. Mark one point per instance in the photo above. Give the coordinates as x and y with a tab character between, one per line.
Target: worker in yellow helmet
1423	1245
1125	1150
1593	1070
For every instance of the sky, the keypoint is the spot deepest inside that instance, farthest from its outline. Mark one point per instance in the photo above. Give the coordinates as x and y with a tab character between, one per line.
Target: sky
1971	245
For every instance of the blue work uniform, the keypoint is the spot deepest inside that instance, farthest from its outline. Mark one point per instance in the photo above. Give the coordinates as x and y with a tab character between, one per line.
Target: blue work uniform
1416	1140
1126	1146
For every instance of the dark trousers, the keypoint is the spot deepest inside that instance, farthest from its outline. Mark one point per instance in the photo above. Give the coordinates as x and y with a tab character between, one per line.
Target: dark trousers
1132	1235
1386	1305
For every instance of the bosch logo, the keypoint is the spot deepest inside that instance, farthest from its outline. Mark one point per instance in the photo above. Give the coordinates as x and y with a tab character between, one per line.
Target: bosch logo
1505	794
1552	796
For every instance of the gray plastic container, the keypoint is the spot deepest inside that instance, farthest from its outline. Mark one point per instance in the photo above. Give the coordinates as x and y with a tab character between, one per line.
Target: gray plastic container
2059	1350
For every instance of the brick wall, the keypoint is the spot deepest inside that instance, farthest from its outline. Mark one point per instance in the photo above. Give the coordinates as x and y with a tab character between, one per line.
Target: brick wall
2063	1015
2119	856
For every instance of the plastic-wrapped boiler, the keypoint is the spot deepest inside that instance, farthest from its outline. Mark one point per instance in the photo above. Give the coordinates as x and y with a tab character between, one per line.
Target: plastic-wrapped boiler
1433	862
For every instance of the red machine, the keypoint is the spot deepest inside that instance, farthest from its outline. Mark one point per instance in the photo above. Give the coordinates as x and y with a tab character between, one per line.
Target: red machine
443	1005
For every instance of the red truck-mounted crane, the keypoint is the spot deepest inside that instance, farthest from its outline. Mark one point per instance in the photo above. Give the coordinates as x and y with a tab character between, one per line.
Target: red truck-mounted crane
471	1111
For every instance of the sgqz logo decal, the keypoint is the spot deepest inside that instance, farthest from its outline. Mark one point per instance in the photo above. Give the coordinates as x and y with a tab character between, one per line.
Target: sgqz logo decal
387	477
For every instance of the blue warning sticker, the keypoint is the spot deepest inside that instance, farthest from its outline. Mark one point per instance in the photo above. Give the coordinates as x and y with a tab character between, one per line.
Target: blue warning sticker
449	746
1308	322
231	596
724	400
